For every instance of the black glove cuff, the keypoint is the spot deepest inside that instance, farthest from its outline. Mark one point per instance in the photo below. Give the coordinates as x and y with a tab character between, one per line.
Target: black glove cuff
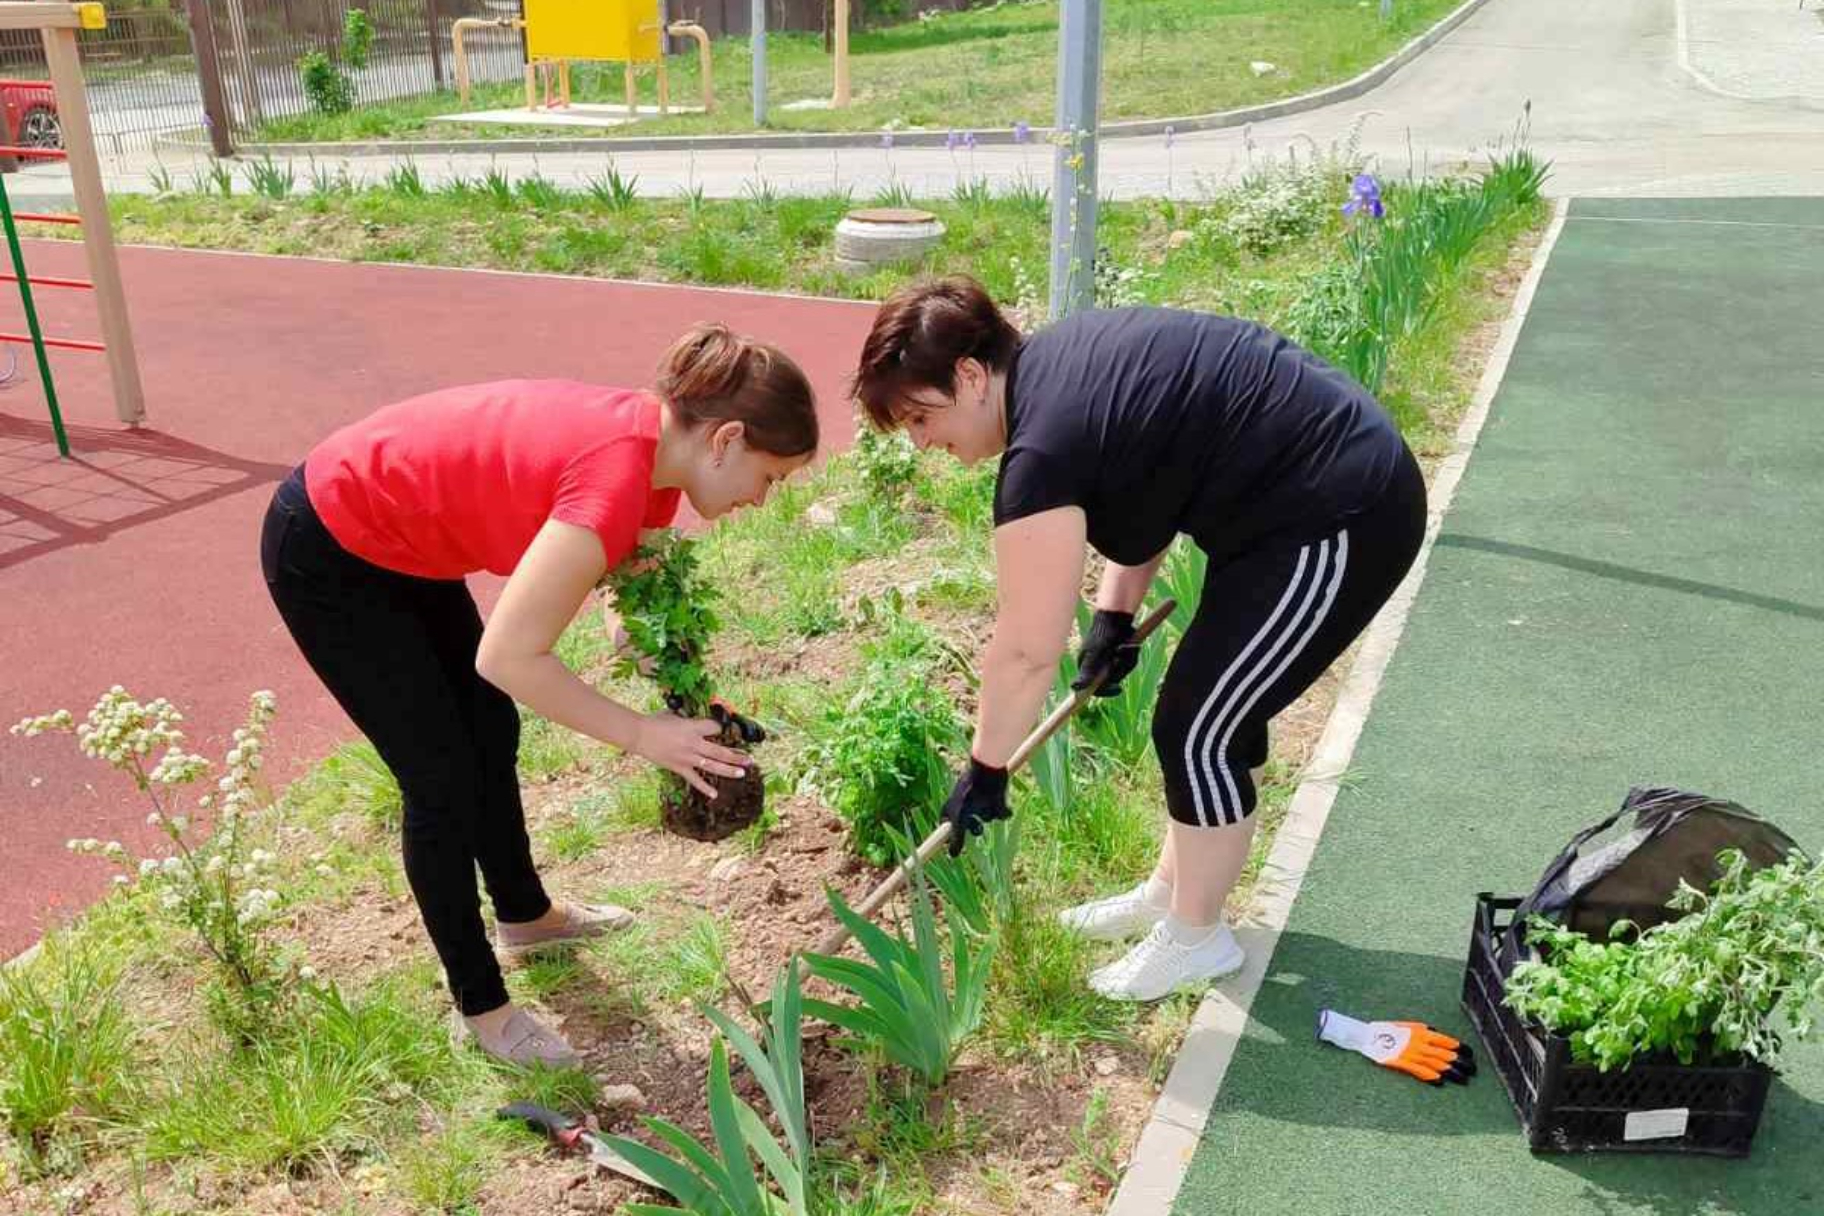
1109	626
986	779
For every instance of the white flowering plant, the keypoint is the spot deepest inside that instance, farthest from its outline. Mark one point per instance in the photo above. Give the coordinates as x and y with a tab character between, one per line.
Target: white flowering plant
215	884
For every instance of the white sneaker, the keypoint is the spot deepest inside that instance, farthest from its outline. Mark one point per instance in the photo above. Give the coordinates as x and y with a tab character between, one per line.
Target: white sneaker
1114	918
1161	964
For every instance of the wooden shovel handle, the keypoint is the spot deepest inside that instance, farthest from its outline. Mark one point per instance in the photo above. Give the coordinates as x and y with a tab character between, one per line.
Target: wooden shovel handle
833	941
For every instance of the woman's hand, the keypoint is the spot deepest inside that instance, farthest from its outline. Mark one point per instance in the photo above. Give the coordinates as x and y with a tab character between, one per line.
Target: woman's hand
684	746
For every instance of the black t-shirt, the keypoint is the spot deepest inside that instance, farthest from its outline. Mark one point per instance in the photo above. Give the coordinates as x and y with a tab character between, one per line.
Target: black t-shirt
1157	421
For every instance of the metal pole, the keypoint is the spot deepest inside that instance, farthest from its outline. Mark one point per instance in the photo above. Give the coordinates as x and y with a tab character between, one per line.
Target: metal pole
31	321
759	56
1073	194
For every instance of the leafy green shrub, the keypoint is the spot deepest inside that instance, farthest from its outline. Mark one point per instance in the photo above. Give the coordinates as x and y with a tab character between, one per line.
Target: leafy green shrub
880	759
667	609
907	1008
1712	980
328	88
723	1180
357	38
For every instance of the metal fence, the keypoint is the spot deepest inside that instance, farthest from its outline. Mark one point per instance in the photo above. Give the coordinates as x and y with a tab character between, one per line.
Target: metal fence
150	74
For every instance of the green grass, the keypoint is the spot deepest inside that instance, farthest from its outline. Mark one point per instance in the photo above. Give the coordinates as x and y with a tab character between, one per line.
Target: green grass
376	1081
67	1045
591	820
989	67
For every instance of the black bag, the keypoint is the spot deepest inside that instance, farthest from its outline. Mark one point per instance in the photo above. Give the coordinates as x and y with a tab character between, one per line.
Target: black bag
1630	864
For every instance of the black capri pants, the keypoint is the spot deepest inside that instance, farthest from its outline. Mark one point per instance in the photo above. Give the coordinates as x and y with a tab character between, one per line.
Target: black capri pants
398	654
1271	620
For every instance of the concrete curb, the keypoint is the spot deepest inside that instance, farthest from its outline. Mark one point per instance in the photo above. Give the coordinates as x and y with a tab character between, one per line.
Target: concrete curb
798	141
1170	1139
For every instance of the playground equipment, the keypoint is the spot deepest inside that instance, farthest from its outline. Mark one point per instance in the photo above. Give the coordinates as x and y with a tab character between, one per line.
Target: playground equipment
57	23
560	31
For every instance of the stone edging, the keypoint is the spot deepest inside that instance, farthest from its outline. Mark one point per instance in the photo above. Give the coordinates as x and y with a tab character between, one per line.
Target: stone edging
1130	129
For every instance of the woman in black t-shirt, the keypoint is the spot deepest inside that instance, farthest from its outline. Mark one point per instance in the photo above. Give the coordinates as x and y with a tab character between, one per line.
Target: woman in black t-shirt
1122	430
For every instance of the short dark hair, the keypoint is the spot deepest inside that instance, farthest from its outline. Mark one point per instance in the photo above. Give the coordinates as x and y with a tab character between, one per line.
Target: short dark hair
712	374
917	338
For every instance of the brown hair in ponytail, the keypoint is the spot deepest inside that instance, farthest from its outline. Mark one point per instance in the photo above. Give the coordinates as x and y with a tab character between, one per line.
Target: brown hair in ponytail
713	375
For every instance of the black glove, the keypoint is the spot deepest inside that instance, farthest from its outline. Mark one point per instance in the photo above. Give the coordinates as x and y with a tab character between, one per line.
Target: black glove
980	797
1109	647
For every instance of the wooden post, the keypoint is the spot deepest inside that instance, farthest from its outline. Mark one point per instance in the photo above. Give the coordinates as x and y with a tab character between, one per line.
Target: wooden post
242	54
430	20
97	230
840	28
209	78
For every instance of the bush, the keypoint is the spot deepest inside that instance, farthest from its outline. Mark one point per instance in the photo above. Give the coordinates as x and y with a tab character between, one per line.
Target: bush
329	89
881	761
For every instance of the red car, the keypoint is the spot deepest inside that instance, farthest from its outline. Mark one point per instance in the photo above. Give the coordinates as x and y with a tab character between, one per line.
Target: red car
31	114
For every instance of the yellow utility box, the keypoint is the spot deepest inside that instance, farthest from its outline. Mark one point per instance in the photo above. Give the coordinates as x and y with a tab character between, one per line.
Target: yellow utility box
626	31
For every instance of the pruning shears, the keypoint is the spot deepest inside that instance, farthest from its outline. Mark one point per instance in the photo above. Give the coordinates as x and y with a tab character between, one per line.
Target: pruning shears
568	1134
725	716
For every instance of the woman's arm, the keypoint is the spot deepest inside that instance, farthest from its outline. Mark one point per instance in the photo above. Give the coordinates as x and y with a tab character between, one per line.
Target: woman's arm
1124	587
1039	568
540	600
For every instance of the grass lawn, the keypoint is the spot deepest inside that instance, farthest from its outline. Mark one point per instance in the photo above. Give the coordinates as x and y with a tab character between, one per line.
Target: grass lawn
988	67
852	588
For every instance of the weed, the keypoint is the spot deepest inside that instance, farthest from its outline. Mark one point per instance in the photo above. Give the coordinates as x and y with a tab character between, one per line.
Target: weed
1098	1144
404	180
66	1047
446	1172
541	193
613	191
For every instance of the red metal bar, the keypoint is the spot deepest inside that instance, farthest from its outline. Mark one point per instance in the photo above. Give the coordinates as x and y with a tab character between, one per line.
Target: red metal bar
41	281
34	153
35	218
65	343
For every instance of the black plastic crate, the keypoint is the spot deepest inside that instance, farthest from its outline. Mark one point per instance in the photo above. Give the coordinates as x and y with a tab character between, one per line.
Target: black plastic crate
1655	1105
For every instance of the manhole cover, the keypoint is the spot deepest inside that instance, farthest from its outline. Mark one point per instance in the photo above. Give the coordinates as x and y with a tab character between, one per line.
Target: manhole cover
892	215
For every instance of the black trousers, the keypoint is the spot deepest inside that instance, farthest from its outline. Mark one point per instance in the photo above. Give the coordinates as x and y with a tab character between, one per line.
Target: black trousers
398	654
1271	620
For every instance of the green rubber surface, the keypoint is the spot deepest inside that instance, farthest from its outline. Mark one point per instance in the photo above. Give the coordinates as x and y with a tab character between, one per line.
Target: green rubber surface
1629	589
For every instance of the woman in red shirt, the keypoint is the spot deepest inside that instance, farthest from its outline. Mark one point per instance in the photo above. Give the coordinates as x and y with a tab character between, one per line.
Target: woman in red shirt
550	483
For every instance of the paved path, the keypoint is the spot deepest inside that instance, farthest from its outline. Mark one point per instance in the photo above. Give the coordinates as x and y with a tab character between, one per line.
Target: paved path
1611	107
1625	591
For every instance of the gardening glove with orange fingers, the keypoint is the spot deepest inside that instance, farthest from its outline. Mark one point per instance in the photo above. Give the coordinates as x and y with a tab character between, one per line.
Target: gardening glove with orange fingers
1409	1047
744	726
1108	647
980	797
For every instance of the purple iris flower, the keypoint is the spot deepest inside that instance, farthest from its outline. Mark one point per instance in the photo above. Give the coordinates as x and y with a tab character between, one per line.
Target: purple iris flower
969	140
1365	196
950	141
886	139
1022	131
1171	133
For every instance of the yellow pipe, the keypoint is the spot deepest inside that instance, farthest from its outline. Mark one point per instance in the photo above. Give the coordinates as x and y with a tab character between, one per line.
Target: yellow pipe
463	24
690	29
